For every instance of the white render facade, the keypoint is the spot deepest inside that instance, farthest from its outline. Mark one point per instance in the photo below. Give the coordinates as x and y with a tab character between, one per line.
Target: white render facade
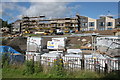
105	23
88	24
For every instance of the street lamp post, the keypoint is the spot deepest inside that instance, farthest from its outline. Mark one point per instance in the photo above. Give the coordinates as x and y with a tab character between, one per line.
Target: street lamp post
82	60
94	35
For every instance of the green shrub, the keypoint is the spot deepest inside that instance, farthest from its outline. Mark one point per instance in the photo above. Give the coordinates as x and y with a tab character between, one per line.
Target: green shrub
38	67
58	69
5	60
113	75
29	67
83	74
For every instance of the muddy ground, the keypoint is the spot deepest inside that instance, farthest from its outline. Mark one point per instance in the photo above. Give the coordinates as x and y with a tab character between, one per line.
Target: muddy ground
20	43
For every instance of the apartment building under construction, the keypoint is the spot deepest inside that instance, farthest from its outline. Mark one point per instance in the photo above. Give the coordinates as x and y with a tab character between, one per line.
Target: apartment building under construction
86	24
46	24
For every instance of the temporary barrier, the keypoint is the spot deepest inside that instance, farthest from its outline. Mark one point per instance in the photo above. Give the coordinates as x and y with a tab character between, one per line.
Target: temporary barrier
73	61
31	55
49	58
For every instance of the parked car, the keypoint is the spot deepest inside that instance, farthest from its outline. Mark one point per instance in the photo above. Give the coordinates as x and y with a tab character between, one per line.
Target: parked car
59	32
72	31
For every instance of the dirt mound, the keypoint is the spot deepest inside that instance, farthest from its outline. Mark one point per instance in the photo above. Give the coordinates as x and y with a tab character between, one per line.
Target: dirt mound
104	32
18	43
76	42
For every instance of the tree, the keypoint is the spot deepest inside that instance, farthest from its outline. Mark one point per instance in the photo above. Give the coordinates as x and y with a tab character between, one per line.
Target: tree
4	23
10	27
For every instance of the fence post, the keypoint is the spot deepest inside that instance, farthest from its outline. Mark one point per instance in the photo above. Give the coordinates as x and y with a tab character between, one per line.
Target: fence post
82	62
118	63
106	68
95	64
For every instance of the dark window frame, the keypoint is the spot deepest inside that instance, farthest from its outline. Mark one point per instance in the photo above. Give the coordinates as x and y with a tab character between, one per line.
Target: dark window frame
109	23
91	23
101	24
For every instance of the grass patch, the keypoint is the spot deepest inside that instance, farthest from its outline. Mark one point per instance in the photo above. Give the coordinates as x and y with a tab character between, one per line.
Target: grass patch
86	74
0	73
17	71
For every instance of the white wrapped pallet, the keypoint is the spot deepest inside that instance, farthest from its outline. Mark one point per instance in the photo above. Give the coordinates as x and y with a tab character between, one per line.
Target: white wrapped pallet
48	58
31	55
111	42
34	43
77	51
33	48
72	60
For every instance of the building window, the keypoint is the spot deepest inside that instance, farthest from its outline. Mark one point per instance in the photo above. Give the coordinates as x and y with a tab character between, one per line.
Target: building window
109	24
109	28
55	25
84	24
91	29
59	25
76	25
91	23
101	23
101	28
83	19
84	29
73	25
118	22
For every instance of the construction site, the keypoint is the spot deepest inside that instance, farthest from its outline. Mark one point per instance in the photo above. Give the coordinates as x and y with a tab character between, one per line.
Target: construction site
79	42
